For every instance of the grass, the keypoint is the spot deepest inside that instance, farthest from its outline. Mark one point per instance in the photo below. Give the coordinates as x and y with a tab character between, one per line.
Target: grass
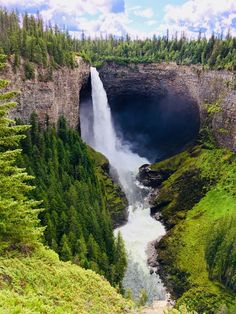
200	192
40	283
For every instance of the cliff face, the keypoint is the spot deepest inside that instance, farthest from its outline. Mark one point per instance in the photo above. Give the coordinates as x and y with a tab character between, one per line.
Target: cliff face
198	86
58	96
61	94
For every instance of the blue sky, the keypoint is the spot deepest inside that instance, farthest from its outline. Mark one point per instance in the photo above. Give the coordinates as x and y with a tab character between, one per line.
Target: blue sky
139	18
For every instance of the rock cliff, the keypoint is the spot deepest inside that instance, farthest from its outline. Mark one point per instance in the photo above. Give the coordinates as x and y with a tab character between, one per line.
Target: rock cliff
60	95
193	83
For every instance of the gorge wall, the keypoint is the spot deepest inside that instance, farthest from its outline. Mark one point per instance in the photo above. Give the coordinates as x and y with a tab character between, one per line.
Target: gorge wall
192	84
59	95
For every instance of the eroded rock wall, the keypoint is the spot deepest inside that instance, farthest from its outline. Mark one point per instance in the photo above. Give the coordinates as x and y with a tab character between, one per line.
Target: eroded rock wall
200	86
61	95
58	96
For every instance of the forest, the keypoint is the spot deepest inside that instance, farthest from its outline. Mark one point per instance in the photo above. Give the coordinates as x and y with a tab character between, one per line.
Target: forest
76	216
52	190
49	46
32	278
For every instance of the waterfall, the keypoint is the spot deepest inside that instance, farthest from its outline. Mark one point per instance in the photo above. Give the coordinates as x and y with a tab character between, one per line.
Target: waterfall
106	141
141	227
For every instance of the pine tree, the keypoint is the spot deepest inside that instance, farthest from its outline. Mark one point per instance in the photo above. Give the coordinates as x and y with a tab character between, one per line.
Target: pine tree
120	259
18	213
65	252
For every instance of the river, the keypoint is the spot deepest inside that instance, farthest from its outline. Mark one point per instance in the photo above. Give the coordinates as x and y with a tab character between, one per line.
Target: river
141	228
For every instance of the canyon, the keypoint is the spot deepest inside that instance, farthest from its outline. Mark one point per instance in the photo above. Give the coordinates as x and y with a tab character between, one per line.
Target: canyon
188	88
185	98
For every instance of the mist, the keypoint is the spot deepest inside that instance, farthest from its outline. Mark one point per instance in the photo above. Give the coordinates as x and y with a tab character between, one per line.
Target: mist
155	127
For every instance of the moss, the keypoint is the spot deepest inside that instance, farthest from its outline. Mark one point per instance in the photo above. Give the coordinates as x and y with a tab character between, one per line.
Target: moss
114	196
199	193
170	164
213	108
183	189
42	284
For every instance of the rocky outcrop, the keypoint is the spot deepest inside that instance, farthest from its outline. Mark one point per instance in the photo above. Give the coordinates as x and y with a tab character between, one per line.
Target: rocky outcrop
194	83
152	178
59	95
116	201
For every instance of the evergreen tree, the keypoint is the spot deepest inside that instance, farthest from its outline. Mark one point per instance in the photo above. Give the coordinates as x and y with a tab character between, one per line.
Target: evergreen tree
50	47
78	224
65	251
121	258
18	213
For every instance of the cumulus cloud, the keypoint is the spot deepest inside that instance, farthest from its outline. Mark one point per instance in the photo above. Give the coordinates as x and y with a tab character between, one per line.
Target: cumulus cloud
97	17
206	16
78	7
147	13
111	23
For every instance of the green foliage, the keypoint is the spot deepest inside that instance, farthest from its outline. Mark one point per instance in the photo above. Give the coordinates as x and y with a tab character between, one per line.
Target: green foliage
143	297
34	41
207	137
213	108
180	310
121	259
76	214
221	252
29	70
40	283
115	198
48	45
216	53
198	253
18	212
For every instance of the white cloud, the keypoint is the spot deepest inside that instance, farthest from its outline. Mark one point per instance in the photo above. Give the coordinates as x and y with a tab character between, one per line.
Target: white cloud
109	16
116	24
78	7
22	3
204	15
151	22
147	13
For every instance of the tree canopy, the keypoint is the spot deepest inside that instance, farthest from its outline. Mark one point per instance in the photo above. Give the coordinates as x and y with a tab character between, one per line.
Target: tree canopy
48	46
76	216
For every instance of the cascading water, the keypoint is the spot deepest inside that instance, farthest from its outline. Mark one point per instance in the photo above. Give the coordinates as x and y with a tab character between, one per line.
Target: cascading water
141	228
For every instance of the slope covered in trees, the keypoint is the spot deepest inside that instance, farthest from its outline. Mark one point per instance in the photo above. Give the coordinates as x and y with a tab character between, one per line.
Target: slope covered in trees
19	224
32	279
50	47
76	216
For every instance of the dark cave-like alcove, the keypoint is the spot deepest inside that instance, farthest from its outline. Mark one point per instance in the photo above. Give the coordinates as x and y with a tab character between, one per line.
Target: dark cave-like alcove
154	126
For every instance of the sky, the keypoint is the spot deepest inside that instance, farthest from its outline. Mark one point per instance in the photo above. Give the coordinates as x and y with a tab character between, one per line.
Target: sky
138	18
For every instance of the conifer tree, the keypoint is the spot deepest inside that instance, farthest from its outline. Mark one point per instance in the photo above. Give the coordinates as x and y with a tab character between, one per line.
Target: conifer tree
18	213
66	253
120	257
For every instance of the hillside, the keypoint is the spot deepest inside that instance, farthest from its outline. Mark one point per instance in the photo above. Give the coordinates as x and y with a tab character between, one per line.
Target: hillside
40	283
171	100
196	201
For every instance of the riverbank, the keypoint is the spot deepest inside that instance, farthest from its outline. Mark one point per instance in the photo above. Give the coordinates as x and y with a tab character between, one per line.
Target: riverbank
195	196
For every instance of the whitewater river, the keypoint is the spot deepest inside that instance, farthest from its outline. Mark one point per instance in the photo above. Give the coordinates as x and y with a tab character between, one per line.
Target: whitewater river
141	228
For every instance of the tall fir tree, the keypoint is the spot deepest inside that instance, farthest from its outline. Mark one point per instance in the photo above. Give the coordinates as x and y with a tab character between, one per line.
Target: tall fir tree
19	224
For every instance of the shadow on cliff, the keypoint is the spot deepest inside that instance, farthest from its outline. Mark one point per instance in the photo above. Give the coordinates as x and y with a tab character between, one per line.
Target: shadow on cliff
155	126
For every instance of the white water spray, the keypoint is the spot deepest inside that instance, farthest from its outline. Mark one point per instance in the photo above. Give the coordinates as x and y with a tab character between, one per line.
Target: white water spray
141	228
